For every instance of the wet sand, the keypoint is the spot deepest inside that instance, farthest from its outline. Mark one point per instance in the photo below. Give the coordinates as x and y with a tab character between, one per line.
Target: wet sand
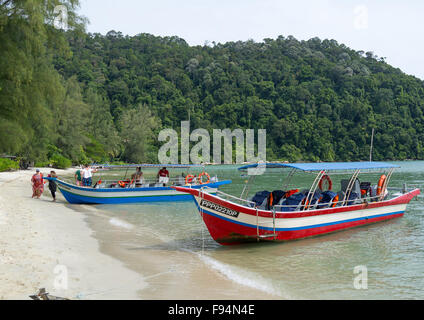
77	252
170	272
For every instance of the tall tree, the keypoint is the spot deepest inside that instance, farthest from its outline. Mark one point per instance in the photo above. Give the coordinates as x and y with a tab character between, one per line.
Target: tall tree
30	87
101	126
73	119
137	127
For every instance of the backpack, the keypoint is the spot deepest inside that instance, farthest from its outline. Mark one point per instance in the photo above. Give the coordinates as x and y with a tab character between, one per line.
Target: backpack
260	197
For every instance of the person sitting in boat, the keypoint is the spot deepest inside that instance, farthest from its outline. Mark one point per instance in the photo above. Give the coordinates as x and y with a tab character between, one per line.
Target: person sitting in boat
137	177
163	176
181	179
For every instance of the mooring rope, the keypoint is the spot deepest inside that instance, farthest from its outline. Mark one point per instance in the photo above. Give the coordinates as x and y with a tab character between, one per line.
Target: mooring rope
203	220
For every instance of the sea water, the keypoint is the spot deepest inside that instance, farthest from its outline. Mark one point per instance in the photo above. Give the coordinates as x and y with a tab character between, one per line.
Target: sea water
380	261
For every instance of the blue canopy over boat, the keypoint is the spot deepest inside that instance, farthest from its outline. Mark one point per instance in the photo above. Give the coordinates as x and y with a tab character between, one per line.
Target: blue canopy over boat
327	166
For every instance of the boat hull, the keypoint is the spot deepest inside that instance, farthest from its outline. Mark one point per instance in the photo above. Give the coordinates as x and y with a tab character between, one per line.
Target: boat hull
83	195
230	223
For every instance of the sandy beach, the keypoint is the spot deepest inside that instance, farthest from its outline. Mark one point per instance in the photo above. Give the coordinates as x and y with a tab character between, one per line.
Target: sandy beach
54	246
48	245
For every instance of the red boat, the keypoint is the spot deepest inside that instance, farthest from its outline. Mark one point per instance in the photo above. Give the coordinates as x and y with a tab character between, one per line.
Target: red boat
283	215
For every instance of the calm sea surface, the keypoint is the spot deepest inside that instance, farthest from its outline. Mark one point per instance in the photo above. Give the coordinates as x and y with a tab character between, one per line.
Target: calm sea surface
390	254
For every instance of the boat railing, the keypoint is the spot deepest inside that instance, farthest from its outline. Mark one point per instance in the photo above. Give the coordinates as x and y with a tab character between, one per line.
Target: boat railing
408	188
326	205
67	180
129	183
302	206
144	181
234	199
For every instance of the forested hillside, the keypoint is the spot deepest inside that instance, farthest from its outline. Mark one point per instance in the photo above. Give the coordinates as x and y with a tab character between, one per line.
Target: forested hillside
91	97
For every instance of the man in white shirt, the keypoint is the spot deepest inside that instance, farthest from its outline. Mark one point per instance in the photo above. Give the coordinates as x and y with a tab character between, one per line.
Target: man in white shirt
87	174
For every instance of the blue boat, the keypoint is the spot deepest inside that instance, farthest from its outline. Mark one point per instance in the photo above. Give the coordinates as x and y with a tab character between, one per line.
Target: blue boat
127	191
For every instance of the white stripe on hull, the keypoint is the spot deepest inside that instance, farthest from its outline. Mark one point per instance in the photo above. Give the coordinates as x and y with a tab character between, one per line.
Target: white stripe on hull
294	223
123	194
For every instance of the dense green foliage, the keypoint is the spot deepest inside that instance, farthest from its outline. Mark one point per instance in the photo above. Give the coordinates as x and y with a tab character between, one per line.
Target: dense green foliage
318	100
8	164
106	97
31	91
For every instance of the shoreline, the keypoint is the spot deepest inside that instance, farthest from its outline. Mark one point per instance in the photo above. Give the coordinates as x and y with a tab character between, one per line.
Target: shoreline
49	245
172	273
43	240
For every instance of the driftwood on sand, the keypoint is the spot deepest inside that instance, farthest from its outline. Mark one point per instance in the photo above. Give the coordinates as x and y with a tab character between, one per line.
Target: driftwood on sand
43	295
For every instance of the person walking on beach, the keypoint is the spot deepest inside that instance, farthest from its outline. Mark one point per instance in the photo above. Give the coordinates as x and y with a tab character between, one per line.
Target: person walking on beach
78	179
87	174
52	185
37	184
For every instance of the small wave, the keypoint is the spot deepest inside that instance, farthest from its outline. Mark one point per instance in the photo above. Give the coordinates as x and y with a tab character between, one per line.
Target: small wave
243	277
119	223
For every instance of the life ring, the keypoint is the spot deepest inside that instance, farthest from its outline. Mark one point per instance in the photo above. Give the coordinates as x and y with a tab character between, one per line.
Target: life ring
189	179
327	178
121	184
380	184
204	174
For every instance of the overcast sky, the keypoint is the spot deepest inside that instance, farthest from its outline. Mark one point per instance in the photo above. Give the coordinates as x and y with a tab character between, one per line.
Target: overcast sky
390	28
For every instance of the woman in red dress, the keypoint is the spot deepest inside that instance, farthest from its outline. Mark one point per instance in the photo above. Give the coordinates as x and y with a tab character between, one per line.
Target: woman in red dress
37	184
